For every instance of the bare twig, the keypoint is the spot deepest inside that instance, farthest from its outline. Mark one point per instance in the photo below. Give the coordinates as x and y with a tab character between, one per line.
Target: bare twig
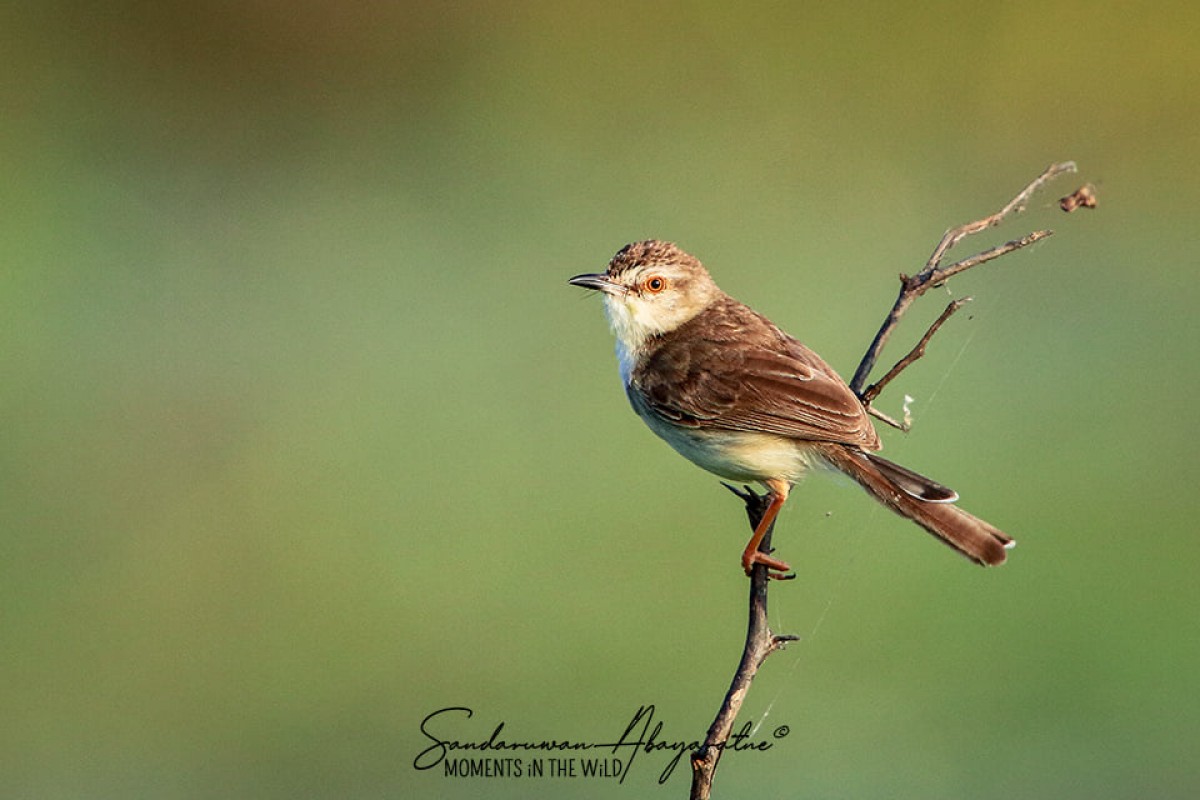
984	257
882	417
1015	206
933	274
874	389
760	643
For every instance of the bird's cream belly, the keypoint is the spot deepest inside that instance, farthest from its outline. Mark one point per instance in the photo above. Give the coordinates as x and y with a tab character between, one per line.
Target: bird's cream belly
737	455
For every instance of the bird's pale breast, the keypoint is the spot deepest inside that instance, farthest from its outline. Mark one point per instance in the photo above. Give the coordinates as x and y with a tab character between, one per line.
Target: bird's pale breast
733	455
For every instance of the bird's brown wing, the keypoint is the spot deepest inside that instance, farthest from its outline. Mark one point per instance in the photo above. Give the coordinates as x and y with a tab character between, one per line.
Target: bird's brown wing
746	375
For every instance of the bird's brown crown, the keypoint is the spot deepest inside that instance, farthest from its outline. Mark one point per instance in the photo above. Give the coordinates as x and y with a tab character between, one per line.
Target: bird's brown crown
650	253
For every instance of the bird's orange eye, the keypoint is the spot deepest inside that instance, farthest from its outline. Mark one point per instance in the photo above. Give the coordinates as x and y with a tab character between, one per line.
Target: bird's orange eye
655	284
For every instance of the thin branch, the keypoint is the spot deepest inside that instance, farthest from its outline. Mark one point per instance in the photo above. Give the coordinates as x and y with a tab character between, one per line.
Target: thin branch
760	643
875	388
933	274
1015	206
882	417
985	256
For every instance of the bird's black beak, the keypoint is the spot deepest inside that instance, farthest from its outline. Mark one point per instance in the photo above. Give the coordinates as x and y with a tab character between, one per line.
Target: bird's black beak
598	281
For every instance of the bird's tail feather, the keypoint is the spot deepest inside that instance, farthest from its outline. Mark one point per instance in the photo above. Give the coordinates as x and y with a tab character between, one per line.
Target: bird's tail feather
925	502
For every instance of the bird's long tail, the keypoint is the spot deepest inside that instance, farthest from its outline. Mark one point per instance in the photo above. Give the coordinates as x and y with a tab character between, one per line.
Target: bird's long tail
925	502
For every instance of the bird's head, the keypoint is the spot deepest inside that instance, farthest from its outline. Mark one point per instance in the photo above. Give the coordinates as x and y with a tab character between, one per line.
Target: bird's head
650	288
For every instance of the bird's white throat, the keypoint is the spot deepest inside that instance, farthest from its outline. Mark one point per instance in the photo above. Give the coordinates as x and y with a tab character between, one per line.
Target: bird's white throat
632	322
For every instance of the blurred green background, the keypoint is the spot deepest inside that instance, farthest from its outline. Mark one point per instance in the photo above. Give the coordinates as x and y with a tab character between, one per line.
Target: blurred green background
307	437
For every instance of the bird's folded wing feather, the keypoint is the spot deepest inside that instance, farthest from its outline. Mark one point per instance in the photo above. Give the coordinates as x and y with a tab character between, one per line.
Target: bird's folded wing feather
783	388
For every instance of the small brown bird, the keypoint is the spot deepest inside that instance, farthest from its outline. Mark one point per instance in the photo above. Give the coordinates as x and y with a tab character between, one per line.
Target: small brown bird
739	397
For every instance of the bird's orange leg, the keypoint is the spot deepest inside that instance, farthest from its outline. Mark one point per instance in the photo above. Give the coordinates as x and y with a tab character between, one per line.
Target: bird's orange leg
752	555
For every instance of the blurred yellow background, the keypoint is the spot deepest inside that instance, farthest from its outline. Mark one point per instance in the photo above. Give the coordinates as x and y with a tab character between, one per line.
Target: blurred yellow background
307	437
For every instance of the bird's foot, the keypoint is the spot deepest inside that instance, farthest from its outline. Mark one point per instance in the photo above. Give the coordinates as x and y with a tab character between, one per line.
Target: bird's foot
779	570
